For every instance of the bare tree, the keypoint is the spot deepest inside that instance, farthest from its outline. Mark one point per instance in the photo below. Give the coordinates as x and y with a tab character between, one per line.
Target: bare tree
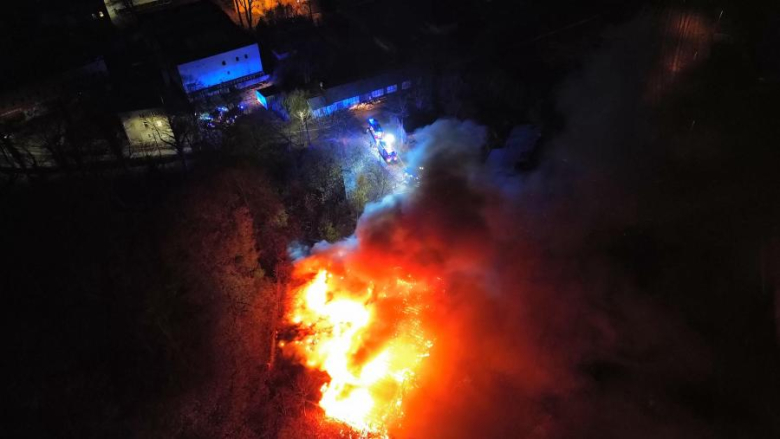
381	180
297	106
177	131
238	14
14	155
400	108
246	7
50	135
421	95
361	194
373	184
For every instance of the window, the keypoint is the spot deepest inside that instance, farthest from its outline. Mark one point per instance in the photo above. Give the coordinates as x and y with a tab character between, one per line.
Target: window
377	93
223	63
352	101
406	84
392	88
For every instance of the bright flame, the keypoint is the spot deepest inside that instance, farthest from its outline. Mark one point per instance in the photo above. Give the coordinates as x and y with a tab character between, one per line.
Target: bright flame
368	340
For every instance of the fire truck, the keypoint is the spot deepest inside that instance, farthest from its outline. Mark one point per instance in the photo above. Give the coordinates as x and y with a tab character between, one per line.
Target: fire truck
384	143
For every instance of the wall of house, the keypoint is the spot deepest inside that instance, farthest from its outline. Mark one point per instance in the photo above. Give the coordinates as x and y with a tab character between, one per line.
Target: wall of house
220	68
147	127
363	97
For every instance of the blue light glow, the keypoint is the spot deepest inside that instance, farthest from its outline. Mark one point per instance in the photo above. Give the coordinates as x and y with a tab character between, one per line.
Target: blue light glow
261	99
211	71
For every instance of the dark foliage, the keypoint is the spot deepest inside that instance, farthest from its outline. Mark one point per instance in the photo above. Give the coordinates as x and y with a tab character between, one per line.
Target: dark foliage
145	306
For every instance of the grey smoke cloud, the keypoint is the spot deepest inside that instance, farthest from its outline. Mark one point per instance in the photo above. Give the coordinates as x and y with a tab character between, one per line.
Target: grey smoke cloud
544	332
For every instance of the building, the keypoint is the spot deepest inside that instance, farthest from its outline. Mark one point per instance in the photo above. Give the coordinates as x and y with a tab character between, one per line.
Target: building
147	129
231	66
270	97
145	123
201	51
346	95
123	13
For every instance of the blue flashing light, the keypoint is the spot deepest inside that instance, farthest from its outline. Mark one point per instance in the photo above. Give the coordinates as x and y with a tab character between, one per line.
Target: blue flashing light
261	99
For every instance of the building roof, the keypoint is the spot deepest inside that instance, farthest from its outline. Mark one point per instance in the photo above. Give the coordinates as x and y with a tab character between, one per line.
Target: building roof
193	31
360	87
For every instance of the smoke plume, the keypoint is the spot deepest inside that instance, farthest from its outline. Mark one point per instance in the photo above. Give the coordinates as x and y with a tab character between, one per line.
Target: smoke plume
542	327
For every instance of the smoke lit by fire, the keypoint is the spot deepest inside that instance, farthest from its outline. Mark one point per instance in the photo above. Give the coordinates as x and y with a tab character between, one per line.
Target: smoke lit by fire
363	309
487	306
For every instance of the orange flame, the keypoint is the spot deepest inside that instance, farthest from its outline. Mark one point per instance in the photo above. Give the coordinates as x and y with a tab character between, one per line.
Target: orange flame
368	340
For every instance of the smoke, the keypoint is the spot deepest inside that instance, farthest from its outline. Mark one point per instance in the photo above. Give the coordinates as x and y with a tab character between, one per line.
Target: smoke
543	334
540	329
297	250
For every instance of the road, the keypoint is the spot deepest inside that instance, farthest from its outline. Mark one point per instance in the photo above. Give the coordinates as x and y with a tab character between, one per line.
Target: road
360	142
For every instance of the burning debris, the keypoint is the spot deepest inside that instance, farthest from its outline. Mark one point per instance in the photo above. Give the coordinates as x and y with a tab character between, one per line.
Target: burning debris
362	308
469	309
368	337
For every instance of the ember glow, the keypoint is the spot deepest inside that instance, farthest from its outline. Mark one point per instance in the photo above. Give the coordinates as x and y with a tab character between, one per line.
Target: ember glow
368	337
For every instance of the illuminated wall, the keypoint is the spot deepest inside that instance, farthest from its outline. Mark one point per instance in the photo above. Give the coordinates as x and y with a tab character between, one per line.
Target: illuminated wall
221	68
261	99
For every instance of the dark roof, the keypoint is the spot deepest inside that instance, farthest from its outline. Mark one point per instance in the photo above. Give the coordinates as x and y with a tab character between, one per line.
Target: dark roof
271	90
136	99
193	31
362	86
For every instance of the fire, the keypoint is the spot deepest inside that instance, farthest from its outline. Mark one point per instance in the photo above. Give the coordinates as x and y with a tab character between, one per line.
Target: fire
368	338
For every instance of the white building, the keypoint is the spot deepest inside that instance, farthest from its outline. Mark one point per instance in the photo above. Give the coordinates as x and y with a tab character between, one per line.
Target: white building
201	50
221	68
148	129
